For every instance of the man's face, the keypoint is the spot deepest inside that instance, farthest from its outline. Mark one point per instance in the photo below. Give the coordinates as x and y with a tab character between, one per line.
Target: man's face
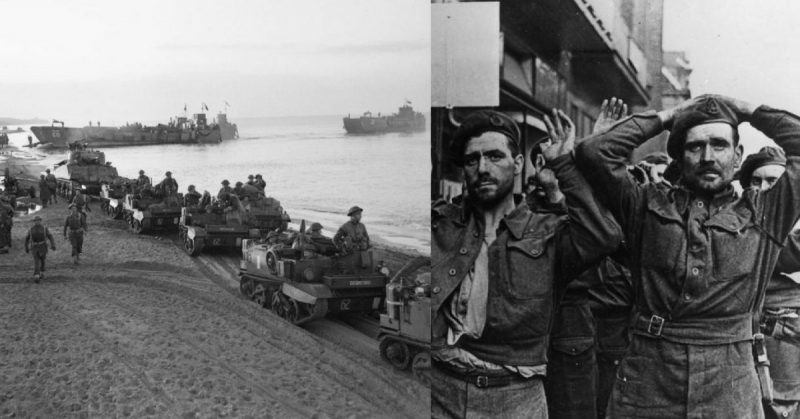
709	157
765	177
356	217
490	168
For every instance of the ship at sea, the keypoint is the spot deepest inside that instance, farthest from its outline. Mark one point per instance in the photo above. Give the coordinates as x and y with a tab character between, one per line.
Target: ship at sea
180	130
228	130
405	120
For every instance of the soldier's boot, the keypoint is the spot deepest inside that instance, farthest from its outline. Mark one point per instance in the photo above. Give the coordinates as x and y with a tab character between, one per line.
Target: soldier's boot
36	278
75	260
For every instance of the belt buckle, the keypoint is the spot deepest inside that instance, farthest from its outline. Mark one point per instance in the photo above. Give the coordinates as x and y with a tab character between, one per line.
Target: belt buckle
656	325
482	381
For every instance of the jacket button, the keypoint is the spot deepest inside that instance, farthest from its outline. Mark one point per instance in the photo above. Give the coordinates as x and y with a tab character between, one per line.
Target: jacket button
452	272
535	252
463	251
699	204
437	290
695	271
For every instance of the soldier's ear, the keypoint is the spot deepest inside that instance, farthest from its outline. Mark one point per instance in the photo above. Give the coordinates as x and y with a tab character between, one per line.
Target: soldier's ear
519	161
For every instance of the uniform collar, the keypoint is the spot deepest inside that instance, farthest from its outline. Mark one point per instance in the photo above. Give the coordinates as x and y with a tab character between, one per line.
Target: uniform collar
515	221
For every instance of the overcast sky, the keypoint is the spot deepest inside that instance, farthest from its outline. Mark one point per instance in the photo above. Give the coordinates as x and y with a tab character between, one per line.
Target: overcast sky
126	61
742	48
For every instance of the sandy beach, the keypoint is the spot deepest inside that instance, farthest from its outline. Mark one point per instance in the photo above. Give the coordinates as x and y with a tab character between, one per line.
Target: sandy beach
139	329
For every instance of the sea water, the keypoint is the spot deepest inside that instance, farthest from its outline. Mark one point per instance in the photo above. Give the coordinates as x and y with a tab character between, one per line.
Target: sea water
311	165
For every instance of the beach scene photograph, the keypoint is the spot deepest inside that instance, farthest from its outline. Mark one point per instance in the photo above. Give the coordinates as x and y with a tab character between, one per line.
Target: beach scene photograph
215	209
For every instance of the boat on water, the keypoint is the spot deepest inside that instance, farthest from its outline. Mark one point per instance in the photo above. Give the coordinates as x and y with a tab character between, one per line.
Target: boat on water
180	130
405	120
228	130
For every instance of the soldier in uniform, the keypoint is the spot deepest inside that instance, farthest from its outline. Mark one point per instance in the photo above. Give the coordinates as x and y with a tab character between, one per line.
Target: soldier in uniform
169	185
192	197
260	183
44	191
224	192
81	201
496	267
52	184
352	235
142	179
251	180
780	318
699	256
36	241
75	229
6	223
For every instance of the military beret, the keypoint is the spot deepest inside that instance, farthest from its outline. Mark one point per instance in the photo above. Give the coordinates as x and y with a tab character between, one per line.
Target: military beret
708	109
316	226
765	156
354	210
480	122
37	218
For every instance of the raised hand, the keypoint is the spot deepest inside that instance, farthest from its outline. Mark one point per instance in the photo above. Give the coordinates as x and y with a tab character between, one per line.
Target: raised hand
611	111
562	135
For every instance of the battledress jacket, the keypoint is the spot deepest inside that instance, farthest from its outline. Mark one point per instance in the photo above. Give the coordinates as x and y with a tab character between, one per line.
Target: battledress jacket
696	267
531	252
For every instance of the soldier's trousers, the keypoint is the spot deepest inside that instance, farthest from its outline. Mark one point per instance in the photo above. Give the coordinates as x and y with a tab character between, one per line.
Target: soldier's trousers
39	256
76	240
5	235
783	351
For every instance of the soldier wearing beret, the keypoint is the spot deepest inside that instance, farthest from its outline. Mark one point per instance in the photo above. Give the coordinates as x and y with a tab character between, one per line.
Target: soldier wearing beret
699	256
352	235
780	319
36	241
496	267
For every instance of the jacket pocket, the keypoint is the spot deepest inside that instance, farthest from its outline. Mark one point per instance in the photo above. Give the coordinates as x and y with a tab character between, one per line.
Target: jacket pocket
663	238
530	266
734	242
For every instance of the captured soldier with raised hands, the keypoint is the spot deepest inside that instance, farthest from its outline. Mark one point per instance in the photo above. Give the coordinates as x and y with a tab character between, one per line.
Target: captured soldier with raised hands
699	256
495	266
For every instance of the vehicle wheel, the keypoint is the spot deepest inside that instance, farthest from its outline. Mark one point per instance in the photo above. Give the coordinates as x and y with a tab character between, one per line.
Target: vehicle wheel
396	352
292	311
136	226
272	264
421	367
193	247
246	287
277	304
262	297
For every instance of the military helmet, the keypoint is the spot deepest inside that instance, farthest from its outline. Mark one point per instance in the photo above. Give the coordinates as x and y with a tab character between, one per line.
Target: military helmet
225	182
354	210
141	172
169	173
316	226
37	218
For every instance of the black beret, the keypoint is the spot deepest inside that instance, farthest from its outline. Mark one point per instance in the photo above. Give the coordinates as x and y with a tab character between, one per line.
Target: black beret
765	156
480	122
708	109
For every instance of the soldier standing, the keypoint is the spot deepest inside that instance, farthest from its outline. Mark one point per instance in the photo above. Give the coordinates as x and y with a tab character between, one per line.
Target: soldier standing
6	222
75	229
36	241
142	179
192	197
81	201
225	191
44	191
52	184
260	183
352	235
169	185
699	256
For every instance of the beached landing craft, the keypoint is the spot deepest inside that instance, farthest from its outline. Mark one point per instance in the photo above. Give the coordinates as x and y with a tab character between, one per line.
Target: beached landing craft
405	120
302	280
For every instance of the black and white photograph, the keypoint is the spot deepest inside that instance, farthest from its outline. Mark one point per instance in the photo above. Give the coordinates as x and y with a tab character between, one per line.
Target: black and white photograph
614	206
215	209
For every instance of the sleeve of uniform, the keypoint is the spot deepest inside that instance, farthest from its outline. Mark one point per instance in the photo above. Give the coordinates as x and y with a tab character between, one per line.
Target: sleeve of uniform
789	259
28	239
83	224
49	237
782	201
66	225
603	160
590	231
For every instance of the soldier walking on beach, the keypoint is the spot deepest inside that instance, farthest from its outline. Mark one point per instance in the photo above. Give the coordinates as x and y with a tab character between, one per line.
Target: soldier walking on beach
44	191
6	222
75	229
36	241
81	201
352	235
52	184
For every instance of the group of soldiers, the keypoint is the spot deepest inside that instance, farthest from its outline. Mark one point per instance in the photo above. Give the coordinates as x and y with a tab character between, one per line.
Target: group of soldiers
638	291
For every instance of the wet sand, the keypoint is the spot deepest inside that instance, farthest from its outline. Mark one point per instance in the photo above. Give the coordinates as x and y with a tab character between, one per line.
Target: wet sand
139	329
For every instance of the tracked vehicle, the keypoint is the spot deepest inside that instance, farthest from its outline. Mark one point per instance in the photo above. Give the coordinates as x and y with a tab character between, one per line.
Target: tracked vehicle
303	279
220	225
112	196
148	209
85	170
405	327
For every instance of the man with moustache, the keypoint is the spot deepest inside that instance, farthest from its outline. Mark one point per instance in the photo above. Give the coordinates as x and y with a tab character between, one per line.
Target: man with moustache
699	256
780	319
494	270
